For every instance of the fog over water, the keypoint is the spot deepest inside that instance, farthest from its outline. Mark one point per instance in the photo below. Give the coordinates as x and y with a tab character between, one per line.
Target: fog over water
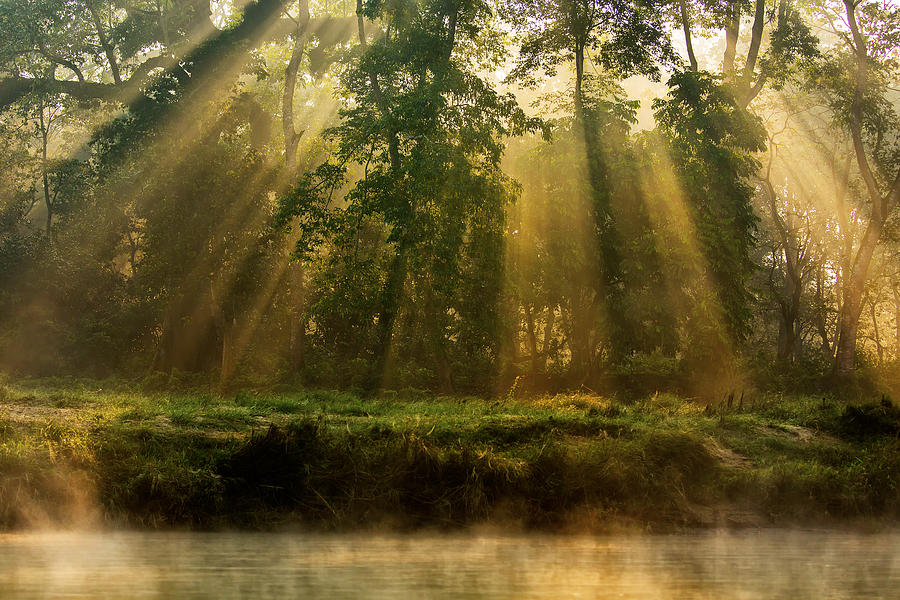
744	565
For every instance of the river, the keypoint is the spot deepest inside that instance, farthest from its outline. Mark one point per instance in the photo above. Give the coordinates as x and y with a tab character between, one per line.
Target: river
715	565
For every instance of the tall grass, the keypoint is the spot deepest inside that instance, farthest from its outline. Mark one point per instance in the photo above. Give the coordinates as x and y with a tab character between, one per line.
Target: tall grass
337	460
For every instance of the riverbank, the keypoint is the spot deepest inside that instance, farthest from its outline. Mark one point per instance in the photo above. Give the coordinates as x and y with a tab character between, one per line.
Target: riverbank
98	454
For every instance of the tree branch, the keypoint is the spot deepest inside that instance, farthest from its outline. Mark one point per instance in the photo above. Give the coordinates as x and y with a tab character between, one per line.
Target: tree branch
755	40
393	143
856	116
59	60
14	88
216	51
686	25
108	50
732	31
754	91
291	137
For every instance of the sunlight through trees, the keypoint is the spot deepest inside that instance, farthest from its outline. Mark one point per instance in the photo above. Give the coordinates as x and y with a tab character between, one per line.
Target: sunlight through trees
455	195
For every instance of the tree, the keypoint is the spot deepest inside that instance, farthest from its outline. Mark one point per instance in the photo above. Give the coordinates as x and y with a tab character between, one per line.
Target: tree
771	59
855	77
712	139
423	129
788	215
621	38
780	45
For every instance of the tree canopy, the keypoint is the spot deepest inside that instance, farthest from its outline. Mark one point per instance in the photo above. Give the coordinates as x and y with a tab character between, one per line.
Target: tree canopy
451	194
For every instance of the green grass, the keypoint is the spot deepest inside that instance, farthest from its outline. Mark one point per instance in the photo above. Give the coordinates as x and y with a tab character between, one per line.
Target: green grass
328	459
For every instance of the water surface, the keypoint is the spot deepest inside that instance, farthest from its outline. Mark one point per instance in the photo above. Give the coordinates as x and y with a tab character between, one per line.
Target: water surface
744	565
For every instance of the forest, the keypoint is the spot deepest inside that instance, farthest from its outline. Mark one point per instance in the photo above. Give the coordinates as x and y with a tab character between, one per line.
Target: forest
460	196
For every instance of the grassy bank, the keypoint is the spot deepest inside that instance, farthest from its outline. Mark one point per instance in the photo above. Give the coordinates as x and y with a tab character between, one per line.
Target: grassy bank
92	453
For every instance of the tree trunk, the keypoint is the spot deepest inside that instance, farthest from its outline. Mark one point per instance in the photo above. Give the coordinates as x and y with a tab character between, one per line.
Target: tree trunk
607	236
45	176
787	336
878	347
297	334
881	205
531	338
225	327
794	294
229	360
845	357
686	25
851	307
820	316
297	325
792	290
579	83
790	309
732	31
582	324
897	323
162	357
108	50
435	315
759	17
391	298
392	292
548	336
291	136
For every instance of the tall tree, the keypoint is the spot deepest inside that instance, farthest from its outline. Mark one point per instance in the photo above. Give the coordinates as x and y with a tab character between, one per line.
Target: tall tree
856	77
621	38
423	129
712	139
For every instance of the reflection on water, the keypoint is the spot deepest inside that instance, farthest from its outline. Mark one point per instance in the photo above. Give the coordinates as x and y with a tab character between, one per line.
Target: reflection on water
745	565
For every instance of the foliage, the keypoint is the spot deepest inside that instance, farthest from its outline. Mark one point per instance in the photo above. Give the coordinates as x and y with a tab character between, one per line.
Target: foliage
712	141
624	37
424	131
297	191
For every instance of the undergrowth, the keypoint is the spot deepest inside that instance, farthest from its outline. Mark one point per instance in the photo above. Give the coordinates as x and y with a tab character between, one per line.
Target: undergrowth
335	460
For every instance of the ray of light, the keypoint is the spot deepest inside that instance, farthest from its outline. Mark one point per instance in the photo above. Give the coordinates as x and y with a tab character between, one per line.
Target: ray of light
685	265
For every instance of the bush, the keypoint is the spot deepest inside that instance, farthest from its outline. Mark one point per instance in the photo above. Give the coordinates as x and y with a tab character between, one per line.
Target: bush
868	420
